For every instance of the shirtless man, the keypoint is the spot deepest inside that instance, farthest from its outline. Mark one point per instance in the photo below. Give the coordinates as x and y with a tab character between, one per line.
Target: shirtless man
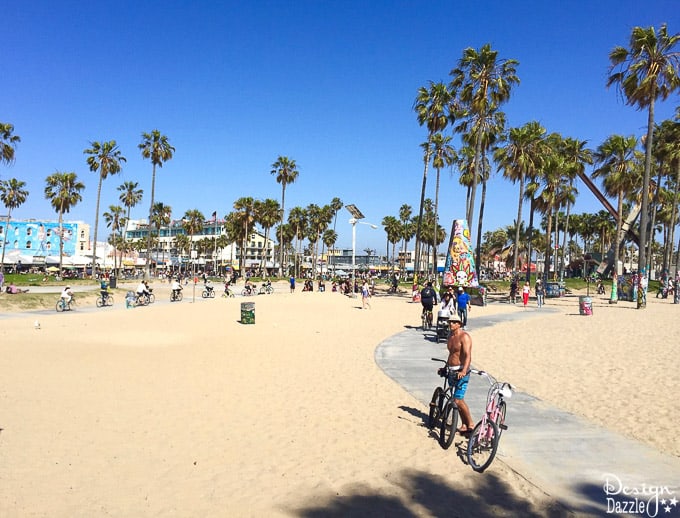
460	355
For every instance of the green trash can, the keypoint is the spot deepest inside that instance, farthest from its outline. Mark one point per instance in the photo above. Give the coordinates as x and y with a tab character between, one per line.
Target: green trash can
585	306
247	312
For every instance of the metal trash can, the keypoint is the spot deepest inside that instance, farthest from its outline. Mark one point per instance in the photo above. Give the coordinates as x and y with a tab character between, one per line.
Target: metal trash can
247	312
113	282
585	306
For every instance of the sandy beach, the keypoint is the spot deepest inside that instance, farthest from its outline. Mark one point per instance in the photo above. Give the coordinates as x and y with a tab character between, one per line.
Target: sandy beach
180	410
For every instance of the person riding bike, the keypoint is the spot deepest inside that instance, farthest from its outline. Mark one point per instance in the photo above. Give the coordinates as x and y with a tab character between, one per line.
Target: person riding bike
249	287
142	290
428	298
104	290
176	288
67	294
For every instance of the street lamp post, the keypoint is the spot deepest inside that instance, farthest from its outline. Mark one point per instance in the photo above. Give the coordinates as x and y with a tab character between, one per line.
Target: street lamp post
356	216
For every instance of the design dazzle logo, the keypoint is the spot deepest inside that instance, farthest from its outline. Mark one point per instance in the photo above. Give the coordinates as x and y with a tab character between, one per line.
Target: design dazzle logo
640	500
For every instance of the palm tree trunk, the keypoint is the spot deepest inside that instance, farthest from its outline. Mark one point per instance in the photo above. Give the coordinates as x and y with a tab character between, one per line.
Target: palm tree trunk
515	260
644	216
530	232
436	226
148	235
564	240
416	265
674	214
4	240
478	251
96	227
283	212
475	178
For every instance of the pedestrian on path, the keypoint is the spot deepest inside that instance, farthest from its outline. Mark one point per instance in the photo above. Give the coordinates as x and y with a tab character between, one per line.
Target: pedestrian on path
540	292
365	295
463	304
526	289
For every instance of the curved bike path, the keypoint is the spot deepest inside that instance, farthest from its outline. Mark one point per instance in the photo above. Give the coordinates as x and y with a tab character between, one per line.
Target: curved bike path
565	455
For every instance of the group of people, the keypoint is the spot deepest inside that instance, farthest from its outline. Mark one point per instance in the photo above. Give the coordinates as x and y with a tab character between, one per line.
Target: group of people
452	302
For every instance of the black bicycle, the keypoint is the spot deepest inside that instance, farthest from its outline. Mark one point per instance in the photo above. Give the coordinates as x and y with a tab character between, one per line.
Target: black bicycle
443	409
105	300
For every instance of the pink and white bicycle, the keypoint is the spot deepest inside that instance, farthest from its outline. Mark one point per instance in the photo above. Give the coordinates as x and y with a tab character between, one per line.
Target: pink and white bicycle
486	435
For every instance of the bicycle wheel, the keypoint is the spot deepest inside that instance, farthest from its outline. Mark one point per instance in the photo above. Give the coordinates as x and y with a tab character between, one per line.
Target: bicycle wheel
109	300
100	302
151	298
429	319
212	294
60	306
449	424
482	445
435	407
205	294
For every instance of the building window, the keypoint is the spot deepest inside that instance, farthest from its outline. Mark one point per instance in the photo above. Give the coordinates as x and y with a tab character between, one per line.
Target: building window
28	244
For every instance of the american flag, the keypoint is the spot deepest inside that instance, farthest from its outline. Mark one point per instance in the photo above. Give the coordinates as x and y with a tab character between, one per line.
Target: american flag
214	216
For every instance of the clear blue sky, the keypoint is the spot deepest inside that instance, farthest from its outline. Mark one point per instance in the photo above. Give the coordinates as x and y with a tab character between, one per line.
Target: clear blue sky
330	84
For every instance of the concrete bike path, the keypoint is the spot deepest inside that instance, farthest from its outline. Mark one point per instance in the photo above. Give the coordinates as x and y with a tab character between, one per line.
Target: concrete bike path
565	455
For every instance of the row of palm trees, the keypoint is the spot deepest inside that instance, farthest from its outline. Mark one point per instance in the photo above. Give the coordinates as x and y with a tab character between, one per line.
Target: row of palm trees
546	165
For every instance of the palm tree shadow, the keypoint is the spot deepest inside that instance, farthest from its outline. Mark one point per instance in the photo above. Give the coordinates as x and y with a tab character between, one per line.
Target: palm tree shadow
483	496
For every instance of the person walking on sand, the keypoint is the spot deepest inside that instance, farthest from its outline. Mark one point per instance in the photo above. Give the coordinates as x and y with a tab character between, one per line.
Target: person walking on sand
460	357
292	283
365	295
526	289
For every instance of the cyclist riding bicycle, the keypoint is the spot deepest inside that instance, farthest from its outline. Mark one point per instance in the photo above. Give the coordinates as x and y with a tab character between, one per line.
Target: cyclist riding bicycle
67	294
142	289
428	298
176	288
104	290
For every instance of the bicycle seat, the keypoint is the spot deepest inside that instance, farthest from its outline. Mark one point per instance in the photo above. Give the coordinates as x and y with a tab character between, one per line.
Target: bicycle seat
506	391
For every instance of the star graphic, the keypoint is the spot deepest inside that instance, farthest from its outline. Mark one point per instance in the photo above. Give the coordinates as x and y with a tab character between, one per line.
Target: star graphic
667	509
674	501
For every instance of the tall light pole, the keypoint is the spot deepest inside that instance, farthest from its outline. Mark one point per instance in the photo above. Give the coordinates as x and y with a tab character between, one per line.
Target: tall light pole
356	216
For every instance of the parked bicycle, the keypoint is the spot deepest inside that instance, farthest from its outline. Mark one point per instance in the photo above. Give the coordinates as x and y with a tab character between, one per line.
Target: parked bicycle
484	439
266	288
442	407
105	300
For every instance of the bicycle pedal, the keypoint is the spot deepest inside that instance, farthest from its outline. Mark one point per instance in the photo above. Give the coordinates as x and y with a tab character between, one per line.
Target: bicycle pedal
503	427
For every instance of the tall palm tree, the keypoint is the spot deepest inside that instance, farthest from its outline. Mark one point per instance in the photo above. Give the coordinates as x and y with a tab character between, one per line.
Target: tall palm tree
433	107
268	214
443	155
192	223
8	142
104	158
157	148
244	209
297	220
329	238
130	196
647	71
519	160
13	195
576	156
63	190
392	228
405	212
668	149
286	172
615	163
114	220
161	215
483	82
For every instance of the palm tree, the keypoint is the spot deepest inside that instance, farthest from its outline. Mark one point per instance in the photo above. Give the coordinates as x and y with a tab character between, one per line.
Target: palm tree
161	216
297	220
63	192
433	107
443	155
483	83
8	142
192	223
648	71
519	160
286	172
392	228
130	196
268	214
13	195
114	220
244	209
329	238
156	148
105	158
615	160
182	243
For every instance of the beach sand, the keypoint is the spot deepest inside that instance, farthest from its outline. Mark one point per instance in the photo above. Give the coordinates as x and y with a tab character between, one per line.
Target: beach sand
180	410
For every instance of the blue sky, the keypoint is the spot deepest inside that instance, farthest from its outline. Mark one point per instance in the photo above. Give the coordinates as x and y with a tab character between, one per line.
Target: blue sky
329	84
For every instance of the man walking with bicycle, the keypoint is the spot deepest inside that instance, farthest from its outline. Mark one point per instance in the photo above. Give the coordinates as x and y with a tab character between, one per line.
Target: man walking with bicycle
460	356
